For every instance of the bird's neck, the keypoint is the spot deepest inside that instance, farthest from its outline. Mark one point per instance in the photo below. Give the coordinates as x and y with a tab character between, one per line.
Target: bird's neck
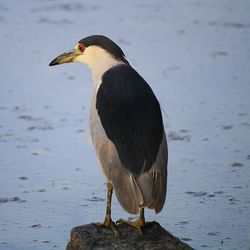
98	69
99	61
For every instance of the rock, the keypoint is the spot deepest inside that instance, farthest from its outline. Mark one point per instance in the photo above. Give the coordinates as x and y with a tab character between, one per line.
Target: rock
155	237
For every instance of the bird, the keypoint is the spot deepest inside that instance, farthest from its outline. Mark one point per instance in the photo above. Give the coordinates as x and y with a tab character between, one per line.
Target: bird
126	128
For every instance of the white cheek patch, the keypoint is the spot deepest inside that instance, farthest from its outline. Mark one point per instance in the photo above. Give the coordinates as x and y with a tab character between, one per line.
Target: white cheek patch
85	57
80	59
98	60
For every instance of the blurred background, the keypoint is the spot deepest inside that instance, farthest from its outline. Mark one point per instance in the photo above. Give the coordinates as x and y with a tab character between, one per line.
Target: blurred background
195	55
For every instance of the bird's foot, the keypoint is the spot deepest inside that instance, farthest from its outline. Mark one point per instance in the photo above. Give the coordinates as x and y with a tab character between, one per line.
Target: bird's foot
108	224
138	225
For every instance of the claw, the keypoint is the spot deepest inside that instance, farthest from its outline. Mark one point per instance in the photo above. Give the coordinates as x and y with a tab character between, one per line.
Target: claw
138	224
109	224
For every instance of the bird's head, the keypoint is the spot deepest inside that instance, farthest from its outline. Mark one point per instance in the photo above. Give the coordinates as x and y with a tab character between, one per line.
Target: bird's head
93	51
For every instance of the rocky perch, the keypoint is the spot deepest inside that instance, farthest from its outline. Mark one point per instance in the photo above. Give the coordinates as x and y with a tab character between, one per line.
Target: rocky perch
154	237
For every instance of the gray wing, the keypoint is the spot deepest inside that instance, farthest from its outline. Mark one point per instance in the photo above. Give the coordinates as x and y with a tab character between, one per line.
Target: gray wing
131	117
129	139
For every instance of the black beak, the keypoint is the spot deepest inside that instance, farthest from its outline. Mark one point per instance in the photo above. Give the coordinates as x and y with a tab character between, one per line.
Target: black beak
66	57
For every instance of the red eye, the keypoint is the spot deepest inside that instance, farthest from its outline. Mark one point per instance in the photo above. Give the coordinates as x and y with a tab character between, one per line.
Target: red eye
81	47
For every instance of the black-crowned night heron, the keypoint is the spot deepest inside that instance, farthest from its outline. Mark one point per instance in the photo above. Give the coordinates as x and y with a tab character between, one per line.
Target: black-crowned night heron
126	129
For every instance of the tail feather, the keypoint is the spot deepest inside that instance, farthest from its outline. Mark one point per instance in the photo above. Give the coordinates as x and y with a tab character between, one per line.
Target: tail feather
127	192
146	190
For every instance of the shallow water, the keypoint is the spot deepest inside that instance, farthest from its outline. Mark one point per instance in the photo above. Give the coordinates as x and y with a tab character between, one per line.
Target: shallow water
195	55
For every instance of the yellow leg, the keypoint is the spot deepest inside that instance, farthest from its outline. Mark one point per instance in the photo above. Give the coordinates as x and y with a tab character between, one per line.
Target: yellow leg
138	224
108	223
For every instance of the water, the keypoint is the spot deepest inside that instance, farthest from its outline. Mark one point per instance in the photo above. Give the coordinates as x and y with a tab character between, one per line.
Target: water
195	55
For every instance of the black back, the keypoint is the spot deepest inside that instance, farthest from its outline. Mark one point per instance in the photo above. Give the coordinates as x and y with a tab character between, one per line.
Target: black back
131	117
105	43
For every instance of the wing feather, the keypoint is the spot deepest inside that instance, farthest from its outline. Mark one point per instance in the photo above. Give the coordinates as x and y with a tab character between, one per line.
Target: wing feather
131	117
